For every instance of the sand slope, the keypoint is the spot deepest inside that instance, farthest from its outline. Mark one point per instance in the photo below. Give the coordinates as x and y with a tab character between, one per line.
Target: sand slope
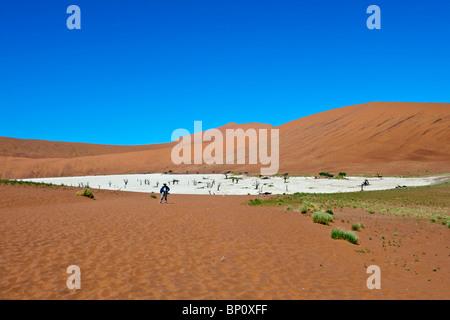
384	137
378	137
129	246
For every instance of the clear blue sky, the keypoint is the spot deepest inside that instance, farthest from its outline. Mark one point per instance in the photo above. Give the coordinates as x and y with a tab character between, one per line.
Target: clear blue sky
137	70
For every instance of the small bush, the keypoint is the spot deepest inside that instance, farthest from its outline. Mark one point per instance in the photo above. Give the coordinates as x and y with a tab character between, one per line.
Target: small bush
85	193
20	182
255	202
357	226
371	211
308	207
338	233
342	174
322	218
326	174
153	196
329	211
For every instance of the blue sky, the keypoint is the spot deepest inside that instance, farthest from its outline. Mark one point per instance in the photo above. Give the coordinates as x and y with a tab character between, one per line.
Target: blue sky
137	70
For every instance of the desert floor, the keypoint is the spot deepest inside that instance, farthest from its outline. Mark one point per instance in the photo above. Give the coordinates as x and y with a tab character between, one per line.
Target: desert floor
129	246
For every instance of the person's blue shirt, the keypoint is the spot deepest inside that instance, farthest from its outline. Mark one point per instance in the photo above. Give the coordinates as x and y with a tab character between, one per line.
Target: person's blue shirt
164	189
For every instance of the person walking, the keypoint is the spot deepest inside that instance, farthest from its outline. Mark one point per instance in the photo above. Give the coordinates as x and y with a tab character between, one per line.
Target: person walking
164	192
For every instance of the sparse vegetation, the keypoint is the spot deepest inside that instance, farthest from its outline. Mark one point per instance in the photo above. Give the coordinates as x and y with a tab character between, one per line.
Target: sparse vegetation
85	193
20	182
307	207
326	174
428	202
338	233
304	209
322	218
357	226
255	202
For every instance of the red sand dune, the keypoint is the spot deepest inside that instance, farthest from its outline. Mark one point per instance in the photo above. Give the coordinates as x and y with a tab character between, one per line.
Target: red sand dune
129	246
389	138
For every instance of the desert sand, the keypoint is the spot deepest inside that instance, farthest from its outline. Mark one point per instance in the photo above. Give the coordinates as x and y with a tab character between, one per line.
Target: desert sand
210	244
129	246
390	138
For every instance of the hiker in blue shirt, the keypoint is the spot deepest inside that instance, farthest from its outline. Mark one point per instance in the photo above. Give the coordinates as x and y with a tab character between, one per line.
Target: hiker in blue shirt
164	192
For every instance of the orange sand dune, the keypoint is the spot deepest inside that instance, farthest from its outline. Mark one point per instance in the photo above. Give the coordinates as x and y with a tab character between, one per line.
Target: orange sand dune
383	137
378	137
129	246
29	148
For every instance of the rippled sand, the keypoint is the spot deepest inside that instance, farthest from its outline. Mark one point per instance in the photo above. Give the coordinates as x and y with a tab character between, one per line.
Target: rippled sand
129	246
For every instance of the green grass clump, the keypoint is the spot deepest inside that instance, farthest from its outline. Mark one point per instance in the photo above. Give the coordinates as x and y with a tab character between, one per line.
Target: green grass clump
338	233
371	211
308	207
20	182
326	174
255	202
85	193
304	209
329	211
357	226
322	217
153	196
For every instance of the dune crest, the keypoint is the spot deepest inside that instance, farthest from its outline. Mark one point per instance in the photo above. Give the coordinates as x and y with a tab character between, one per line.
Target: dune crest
390	138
